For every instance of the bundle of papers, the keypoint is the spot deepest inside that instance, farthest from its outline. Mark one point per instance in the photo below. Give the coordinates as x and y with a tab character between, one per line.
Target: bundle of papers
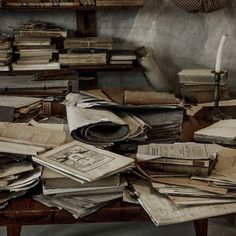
5	52
122	57
165	125
19	109
191	198
78	206
84	163
39	3
161	209
183	158
40	29
34	53
83	58
17	174
89	42
119	2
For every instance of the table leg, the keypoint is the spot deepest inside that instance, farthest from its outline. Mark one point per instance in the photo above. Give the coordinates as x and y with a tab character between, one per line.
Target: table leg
13	230
201	227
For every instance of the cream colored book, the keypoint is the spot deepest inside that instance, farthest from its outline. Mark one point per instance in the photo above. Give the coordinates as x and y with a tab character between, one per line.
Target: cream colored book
222	132
84	161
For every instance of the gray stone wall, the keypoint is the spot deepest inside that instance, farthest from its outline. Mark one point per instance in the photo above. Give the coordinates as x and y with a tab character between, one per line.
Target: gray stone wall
176	38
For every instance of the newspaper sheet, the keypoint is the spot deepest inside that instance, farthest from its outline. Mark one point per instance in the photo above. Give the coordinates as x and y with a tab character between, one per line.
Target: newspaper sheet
95	126
163	212
190	151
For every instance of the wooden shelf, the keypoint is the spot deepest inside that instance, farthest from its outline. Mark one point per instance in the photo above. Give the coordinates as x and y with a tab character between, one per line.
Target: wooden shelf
77	8
85	69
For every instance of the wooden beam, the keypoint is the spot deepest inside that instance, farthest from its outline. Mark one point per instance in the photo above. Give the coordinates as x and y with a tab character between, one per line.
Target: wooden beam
86	23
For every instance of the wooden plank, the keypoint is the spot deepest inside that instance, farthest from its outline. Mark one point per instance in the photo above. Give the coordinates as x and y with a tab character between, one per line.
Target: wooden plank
86	23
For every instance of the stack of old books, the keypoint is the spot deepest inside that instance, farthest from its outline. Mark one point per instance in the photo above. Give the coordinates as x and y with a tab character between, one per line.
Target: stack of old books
88	42
125	57
33	44
179	158
198	85
119	2
5	52
193	197
78	171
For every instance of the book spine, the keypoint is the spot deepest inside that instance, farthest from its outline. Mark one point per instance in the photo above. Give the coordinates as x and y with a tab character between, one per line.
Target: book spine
195	163
191	170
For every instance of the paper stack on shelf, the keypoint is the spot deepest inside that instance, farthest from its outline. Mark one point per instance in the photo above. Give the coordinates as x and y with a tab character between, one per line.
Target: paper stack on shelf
5	52
40	3
89	42
198	85
34	53
119	2
82	58
88	3
40	29
122	57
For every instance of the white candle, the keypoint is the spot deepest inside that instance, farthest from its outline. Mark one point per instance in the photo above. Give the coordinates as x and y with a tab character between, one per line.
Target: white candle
219	53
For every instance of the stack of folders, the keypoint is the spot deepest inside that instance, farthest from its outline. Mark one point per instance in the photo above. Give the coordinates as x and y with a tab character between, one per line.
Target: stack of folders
192	197
198	85
5	52
89	42
18	174
119	2
78	171
125	57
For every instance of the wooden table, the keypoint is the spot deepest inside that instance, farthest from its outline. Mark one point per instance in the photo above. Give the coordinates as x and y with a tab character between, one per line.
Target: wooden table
26	211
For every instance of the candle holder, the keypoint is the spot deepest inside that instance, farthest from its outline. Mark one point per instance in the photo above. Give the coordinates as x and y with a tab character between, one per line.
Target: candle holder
217	114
